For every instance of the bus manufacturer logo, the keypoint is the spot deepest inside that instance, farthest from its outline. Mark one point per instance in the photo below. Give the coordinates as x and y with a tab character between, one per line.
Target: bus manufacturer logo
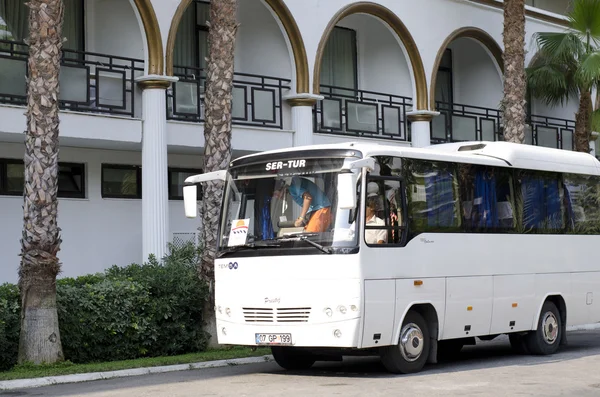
233	265
272	300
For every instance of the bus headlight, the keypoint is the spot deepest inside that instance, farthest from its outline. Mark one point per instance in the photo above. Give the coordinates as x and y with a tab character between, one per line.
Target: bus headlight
329	312
228	312
342	309
353	308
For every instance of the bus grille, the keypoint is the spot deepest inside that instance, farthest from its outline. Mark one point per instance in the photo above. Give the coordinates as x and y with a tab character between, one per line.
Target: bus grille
278	315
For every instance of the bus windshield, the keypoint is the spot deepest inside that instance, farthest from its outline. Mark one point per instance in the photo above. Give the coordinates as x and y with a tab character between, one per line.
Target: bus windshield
286	204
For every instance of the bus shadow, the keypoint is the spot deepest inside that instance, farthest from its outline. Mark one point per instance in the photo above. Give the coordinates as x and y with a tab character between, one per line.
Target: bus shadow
484	355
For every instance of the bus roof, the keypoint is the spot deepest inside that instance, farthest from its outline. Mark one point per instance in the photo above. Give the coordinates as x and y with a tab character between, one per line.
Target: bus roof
503	154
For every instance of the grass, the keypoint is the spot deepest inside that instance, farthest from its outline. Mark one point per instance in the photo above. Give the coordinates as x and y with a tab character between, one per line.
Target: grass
67	368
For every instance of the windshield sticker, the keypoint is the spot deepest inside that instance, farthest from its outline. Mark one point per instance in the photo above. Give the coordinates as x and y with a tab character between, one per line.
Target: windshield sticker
239	232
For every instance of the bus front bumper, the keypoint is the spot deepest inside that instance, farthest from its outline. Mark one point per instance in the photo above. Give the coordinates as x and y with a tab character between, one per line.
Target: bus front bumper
332	334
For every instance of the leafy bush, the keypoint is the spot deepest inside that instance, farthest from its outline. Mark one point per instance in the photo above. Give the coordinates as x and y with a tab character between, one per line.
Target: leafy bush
135	311
9	325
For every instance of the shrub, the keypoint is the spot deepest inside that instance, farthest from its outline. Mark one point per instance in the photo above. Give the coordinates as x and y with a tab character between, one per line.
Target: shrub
9	325
124	313
104	321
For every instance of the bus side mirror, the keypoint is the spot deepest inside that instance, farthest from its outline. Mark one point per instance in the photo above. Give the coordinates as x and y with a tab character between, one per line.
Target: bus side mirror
347	190
347	182
190	201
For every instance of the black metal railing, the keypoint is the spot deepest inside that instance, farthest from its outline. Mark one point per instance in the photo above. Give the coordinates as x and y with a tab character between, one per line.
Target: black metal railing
89	82
350	112
257	100
550	132
458	122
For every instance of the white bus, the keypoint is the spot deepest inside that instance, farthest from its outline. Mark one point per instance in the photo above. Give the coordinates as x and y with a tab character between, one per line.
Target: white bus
405	253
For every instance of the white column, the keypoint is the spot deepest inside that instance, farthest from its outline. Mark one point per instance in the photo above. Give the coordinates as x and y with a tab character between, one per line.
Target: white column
302	117
420	127
593	139
155	189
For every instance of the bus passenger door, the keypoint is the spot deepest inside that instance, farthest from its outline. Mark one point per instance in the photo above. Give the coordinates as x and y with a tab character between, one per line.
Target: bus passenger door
379	308
468	306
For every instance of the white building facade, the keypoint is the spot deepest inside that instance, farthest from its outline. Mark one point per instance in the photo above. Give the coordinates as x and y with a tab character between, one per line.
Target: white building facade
307	71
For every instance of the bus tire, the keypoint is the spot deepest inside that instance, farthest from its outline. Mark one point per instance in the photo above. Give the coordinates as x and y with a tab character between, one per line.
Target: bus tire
412	350
546	338
291	358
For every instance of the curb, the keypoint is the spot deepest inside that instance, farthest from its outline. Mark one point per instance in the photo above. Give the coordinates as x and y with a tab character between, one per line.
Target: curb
585	327
76	378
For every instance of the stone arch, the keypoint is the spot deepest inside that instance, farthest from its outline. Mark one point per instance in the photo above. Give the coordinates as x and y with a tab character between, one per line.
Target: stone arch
287	21
395	24
467	32
155	54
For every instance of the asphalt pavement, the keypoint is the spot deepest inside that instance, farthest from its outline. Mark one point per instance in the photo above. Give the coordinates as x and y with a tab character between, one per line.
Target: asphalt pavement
487	369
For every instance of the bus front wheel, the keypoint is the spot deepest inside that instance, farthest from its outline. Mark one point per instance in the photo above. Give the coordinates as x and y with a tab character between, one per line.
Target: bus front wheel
292	358
412	350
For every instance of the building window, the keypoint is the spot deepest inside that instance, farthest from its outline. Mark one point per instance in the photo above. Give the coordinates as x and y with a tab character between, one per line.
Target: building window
14	22
556	6
71	179
121	181
177	177
191	43
339	63
443	85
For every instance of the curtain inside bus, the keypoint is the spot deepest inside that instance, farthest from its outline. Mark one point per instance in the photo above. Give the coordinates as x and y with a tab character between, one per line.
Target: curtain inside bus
541	202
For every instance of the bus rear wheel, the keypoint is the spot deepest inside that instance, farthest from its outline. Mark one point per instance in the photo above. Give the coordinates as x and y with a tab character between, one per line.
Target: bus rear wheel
546	338
412	350
292	358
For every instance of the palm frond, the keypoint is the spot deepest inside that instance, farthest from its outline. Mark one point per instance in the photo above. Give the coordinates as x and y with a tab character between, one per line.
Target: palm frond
585	18
563	48
551	83
588	71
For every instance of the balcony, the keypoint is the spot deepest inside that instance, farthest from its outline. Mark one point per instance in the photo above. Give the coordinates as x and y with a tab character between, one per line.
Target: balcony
458	122
361	113
257	100
89	82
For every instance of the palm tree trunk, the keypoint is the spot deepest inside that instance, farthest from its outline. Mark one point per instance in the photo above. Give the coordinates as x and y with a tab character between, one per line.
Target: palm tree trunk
583	120
217	135
514	71
40	337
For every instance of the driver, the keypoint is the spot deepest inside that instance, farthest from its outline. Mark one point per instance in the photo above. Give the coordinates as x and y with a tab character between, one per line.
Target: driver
316	207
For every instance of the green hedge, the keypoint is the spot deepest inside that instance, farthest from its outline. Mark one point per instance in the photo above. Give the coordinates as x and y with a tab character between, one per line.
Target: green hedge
9	325
137	311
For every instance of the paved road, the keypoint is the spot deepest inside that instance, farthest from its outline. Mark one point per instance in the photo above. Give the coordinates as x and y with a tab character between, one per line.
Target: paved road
488	369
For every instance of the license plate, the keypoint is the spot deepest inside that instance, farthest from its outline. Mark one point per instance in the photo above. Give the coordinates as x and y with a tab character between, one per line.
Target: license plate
273	339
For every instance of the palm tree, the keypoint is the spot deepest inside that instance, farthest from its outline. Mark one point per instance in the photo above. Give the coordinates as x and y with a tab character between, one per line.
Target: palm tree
40	337
568	65
217	134
513	103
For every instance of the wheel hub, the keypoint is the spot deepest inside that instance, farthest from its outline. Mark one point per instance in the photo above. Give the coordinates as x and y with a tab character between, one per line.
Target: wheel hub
550	328
411	342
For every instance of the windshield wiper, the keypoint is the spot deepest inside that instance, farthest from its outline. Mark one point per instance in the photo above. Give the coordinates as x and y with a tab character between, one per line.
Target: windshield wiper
253	245
305	238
